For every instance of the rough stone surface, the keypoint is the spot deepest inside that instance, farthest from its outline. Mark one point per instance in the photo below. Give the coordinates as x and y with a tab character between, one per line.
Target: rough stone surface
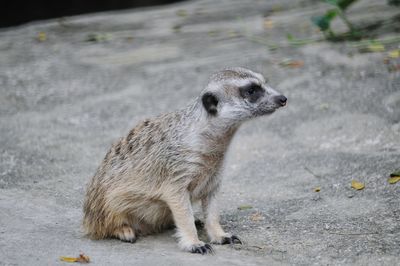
63	101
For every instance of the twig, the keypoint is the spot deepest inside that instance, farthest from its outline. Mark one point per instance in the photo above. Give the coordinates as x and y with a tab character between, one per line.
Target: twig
390	40
352	234
311	172
263	41
258	247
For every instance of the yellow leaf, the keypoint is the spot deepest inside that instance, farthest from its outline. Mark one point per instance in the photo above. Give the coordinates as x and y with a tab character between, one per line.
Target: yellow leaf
268	24
69	259
256	217
317	189
244	207
394	53
233	33
377	47
394	179
291	63
277	7
181	13
357	185
81	259
42	36
212	33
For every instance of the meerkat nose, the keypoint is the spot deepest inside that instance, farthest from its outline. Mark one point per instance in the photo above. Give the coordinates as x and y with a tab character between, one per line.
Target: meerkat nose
280	99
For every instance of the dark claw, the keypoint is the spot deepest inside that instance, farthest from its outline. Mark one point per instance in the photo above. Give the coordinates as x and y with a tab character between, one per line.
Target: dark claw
196	250
203	249
231	240
209	248
236	240
133	240
226	240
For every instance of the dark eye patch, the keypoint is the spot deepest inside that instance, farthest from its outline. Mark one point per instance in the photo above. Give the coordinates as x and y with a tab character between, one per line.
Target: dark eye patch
252	92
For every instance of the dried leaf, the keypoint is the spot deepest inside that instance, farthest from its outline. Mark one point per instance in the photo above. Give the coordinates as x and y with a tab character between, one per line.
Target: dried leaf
212	33
233	33
181	13
41	36
277	7
268	24
394	67
317	189
357	185
386	60
376	47
81	259
394	179
245	207
394	54
291	63
256	217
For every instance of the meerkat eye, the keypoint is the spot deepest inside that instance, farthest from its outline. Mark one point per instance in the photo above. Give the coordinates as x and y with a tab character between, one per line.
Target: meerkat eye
251	91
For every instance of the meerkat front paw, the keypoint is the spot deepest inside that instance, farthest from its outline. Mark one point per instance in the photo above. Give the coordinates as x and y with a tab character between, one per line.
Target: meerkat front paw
125	234
199	247
231	240
226	239
202	249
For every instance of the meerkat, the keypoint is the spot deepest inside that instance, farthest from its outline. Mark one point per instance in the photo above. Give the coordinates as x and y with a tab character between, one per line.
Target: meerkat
149	179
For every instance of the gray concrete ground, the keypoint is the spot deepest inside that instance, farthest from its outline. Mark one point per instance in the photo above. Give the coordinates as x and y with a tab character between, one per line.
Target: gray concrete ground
64	100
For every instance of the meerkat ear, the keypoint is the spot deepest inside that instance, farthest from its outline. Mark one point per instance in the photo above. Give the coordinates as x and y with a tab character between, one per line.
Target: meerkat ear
210	103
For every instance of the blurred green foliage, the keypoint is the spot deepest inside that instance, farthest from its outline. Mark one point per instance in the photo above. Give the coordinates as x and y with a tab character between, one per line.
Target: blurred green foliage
339	7
323	22
394	2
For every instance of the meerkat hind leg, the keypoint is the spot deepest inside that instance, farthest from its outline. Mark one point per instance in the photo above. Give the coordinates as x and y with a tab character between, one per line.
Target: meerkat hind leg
125	233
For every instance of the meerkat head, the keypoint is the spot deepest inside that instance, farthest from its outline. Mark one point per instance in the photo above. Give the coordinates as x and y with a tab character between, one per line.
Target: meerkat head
238	94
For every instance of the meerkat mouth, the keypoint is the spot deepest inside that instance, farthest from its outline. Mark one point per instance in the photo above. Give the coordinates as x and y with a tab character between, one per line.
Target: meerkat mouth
264	112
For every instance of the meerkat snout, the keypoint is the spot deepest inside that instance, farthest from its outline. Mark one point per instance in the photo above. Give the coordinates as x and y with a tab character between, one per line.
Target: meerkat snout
280	99
149	179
